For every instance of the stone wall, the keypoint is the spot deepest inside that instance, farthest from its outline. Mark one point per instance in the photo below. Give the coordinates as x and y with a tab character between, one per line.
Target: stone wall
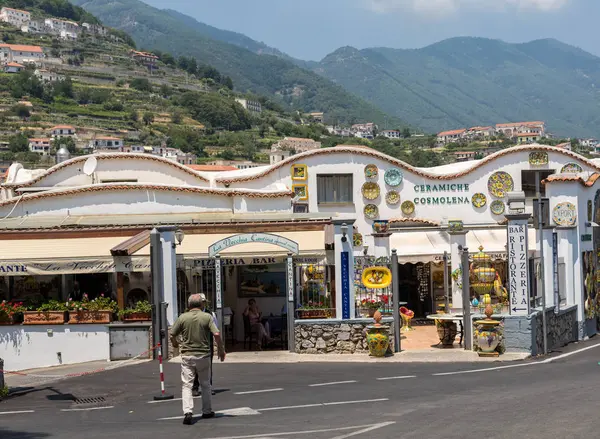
335	336
562	329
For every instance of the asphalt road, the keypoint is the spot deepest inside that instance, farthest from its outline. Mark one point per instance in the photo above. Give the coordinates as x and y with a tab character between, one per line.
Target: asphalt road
530	399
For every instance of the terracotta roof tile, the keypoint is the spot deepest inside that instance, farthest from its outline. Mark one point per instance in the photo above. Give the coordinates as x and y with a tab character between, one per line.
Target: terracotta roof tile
451	132
573	177
212	168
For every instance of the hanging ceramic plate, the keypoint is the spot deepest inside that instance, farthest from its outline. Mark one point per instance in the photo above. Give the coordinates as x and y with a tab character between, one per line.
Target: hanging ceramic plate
393	177
371	171
371	211
392	197
408	207
497	207
538	158
479	200
571	168
370	190
500	183
358	239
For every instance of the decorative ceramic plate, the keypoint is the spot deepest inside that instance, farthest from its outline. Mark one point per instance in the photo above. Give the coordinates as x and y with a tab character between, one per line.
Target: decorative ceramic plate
408	207
371	211
370	190
358	239
565	214
393	177
497	207
392	197
500	183
371	171
538	158
479	200
571	168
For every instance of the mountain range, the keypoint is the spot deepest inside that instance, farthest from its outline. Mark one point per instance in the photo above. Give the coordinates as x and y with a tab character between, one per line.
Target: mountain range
456	83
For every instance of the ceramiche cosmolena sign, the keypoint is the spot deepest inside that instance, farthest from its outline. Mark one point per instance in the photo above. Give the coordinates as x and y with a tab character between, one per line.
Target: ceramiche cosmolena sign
433	194
248	238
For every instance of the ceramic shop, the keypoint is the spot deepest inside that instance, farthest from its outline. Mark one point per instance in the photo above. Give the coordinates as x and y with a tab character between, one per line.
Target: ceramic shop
346	208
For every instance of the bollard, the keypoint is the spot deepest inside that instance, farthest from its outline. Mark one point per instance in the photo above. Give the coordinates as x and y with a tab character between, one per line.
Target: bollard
163	396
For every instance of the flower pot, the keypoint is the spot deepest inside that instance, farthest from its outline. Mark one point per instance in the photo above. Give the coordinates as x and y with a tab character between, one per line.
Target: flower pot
44	318
378	340
447	332
371	311
137	317
86	317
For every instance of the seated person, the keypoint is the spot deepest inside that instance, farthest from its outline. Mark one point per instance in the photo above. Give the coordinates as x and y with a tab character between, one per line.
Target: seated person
254	315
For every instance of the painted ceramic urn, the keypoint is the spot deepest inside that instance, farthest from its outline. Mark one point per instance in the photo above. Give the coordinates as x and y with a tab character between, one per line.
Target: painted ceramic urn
378	338
488	336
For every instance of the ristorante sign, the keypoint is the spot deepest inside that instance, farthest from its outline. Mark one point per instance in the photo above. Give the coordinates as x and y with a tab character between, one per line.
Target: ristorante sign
249	238
90	266
442	194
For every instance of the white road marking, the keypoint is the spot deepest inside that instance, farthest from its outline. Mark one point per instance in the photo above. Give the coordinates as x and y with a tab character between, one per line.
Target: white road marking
17	412
88	409
241	411
365	430
396	378
510	366
325	430
333	383
321	404
258	391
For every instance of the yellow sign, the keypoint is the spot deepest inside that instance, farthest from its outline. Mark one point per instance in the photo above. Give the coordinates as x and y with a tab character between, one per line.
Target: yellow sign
376	277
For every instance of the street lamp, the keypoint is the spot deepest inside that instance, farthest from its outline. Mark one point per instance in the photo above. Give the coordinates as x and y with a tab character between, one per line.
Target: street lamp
344	229
516	202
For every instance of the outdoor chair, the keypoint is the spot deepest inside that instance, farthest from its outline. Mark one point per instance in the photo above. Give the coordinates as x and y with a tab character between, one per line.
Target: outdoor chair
249	333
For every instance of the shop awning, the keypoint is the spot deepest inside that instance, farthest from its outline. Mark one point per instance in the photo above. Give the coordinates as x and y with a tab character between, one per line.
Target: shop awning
429	246
65	256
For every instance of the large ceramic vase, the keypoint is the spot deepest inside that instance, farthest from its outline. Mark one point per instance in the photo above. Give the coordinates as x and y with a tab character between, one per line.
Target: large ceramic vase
487	336
378	340
446	332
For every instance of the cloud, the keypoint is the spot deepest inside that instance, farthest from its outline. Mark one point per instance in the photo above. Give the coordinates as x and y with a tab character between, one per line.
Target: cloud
443	7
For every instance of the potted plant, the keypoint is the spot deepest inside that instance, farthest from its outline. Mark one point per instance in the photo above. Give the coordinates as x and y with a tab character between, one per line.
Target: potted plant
9	312
99	310
141	312
371	305
52	312
314	310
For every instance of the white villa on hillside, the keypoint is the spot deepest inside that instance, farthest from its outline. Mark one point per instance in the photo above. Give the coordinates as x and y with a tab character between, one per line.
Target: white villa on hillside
16	17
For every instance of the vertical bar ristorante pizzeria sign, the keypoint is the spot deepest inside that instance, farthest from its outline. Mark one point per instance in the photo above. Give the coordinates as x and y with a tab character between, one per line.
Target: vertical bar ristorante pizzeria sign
518	266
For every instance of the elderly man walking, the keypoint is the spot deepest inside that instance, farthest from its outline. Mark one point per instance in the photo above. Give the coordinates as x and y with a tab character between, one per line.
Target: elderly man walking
192	333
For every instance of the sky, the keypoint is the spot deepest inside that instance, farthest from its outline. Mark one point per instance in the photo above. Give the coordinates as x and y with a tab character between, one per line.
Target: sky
311	29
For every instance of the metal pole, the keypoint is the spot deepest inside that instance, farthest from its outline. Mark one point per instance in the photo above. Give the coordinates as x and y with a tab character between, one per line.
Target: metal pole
155	257
396	301
164	331
555	272
446	290
543	271
466	296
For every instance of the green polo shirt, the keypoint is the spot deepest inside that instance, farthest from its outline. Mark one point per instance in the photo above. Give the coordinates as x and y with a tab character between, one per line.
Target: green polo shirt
193	330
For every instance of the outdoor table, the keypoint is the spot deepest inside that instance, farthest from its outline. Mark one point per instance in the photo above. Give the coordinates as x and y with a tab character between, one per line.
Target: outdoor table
447	328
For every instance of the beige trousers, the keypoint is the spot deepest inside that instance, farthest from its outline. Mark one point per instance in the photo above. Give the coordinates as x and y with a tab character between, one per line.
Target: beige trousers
189	367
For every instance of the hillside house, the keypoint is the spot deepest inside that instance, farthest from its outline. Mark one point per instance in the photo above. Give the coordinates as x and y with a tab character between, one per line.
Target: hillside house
296	144
20	53
464	156
64	28
589	143
36	27
278	155
369	127
63	131
481	132
109	144
47	76
511	130
95	29
16	17
252	106
13	67
145	58
446	137
318	117
339	131
391	134
40	145
525	138
238	164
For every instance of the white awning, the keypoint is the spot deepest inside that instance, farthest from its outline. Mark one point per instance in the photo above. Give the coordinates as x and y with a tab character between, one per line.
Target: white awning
429	246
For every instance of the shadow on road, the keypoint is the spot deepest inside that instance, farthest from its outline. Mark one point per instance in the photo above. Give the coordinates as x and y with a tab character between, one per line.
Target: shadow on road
6	433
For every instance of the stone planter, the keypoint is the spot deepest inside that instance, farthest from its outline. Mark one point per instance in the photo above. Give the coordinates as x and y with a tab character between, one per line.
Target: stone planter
44	318
88	317
313	313
137	317
378	340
